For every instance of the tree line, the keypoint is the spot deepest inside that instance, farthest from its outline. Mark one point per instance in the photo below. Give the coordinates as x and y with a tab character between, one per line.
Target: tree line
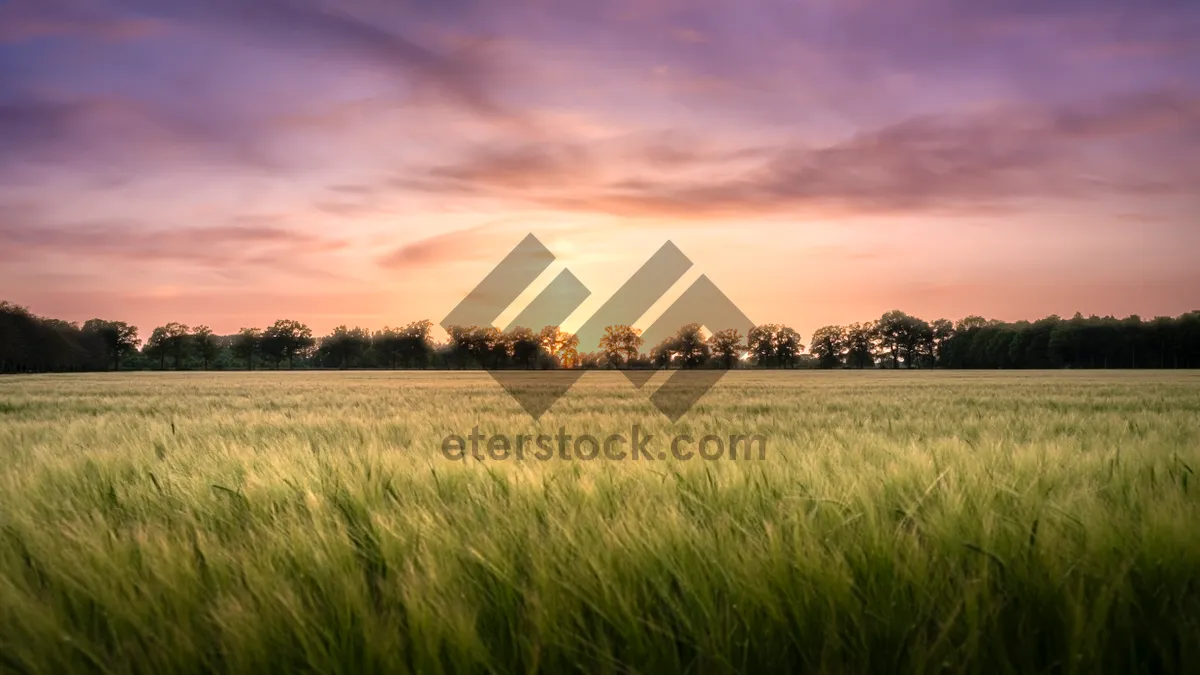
29	343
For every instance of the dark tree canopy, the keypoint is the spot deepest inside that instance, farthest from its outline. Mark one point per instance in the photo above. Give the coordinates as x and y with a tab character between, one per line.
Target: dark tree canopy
29	343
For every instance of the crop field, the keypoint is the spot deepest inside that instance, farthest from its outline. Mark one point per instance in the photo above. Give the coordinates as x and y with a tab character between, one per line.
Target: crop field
987	522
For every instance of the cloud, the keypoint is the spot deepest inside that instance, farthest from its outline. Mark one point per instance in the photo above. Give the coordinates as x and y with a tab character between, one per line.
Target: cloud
106	133
224	310
93	114
531	168
475	243
24	236
23	20
688	35
992	159
332	30
116	30
1151	112
518	166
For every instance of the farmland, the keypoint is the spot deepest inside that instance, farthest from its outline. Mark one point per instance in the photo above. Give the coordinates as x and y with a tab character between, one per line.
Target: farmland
925	521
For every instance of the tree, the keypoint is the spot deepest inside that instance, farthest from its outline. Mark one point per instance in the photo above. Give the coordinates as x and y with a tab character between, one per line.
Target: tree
523	346
774	344
918	343
941	331
621	344
561	345
205	344
117	337
246	344
414	343
460	346
1037	346
1160	336
905	338
663	353
344	345
829	345
727	345
691	346
787	347
286	339
30	343
971	323
177	341
890	328
591	360
860	344
1133	338
1187	340
410	346
488	346
1066	341
483	344
169	340
761	343
387	345
156	347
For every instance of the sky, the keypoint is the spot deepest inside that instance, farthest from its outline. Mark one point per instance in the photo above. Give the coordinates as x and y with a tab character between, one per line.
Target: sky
366	162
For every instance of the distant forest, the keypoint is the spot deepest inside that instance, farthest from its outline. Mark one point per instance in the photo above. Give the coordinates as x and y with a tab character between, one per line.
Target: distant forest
29	343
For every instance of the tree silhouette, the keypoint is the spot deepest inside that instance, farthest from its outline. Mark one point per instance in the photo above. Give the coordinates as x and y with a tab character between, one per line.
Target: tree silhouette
727	345
460	346
561	345
157	346
488	346
829	345
621	344
861	340
415	345
940	331
388	346
906	338
177	341
246	344
205	344
29	343
663	353
170	340
774	345
344	346
118	338
890	329
691	346
523	346
32	343
761	342
787	347
286	339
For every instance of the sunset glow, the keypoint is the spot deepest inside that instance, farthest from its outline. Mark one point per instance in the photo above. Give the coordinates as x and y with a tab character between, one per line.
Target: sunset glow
366	161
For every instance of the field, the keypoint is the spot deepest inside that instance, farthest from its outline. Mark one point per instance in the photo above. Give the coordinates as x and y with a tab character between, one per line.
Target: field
997	522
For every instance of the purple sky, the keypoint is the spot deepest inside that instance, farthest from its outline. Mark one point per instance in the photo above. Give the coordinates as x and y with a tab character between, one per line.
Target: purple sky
366	161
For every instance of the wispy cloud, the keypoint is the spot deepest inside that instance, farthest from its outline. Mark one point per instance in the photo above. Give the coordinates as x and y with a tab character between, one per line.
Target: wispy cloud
22	20
334	30
983	160
474	243
23	236
107	133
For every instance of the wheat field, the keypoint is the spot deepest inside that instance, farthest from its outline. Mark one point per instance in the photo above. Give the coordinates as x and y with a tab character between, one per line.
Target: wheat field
916	522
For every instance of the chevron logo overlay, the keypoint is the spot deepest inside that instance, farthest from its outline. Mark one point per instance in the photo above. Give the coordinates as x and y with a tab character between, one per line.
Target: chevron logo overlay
536	391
